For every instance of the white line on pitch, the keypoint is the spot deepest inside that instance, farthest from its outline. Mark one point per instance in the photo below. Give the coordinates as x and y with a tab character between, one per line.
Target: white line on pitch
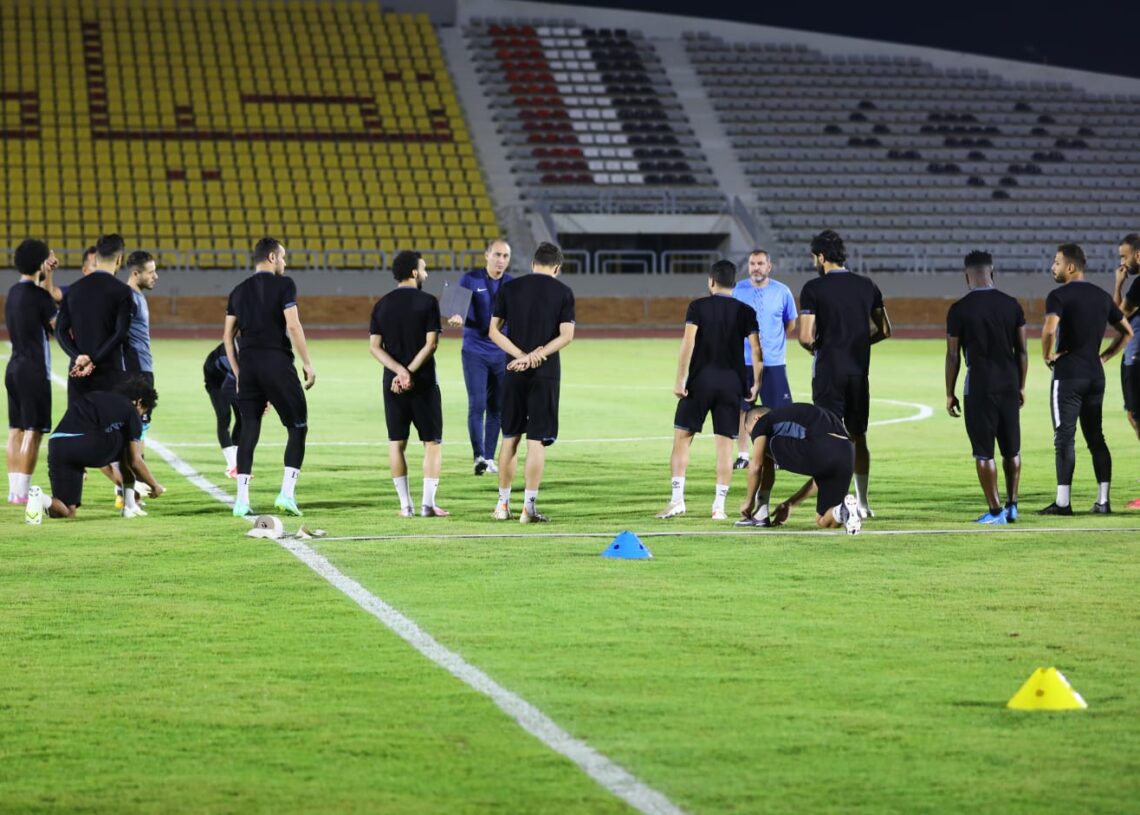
921	412
832	533
607	773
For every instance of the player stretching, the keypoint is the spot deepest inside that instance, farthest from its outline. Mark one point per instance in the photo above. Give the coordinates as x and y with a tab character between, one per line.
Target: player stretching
98	428
1075	316
404	333
841	317
263	310
988	326
775	308
29	314
484	363
808	440
220	387
709	380
540	312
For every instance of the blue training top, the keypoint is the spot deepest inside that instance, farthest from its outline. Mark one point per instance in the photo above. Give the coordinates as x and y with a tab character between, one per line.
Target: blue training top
775	306
484	289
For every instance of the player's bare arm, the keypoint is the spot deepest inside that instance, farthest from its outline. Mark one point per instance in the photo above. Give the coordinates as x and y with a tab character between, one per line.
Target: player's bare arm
953	366
297	336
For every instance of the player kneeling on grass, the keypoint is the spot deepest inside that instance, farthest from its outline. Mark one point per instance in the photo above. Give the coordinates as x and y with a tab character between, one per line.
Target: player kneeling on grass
802	439
404	333
101	427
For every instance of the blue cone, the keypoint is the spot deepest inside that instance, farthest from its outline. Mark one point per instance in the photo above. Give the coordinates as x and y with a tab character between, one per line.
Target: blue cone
627	546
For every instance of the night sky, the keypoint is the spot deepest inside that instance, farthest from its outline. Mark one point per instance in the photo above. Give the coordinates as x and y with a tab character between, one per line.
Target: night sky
1094	36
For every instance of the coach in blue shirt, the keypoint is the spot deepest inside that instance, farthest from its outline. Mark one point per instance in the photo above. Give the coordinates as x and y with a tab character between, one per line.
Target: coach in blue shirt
775	308
484	363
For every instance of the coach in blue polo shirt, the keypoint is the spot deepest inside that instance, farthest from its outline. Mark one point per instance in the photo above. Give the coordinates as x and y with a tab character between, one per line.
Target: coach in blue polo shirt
775	308
484	363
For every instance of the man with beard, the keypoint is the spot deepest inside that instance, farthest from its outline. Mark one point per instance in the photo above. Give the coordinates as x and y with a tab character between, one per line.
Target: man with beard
403	336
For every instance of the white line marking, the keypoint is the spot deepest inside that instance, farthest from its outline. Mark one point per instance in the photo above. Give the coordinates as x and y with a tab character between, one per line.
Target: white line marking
921	412
699	533
610	775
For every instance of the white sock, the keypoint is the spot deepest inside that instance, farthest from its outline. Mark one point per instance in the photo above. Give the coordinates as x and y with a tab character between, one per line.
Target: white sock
402	491
11	486
289	481
861	488
1102	492
721	494
529	499
763	497
130	500
504	495
118	492
837	513
430	486
243	489
231	455
45	501
744	454
678	485
761	511
1063	495
23	483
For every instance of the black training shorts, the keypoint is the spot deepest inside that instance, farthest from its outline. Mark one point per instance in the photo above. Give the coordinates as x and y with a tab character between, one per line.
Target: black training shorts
421	406
69	456
724	404
847	396
993	416
530	406
829	460
29	398
1129	384
270	376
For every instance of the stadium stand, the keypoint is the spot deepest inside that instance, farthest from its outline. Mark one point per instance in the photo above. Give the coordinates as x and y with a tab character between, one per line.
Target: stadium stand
914	163
591	121
196	127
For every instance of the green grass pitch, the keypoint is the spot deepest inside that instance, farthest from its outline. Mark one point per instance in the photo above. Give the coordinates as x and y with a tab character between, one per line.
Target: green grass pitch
169	664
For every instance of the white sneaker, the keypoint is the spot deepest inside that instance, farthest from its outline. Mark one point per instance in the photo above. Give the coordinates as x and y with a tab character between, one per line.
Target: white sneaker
853	521
672	509
719	514
142	490
134	512
491	468
502	512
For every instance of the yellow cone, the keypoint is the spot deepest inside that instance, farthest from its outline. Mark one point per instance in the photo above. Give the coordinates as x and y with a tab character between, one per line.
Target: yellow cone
1047	689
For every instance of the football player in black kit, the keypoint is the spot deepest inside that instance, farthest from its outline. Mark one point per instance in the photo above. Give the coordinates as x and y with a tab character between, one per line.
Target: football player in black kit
263	310
1076	314
988	327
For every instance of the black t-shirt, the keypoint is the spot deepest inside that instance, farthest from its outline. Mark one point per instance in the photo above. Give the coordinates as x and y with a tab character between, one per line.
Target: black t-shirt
1085	309
842	303
403	318
259	303
986	323
102	412
28	313
94	319
1132	298
722	323
798	420
535	305
217	367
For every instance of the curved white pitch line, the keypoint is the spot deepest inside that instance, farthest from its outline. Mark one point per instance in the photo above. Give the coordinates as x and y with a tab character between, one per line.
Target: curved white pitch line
924	412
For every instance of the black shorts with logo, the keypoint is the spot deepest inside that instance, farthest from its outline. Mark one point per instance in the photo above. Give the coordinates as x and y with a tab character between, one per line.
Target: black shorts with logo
530	406
421	406
993	416
270	376
29	397
722	402
829	460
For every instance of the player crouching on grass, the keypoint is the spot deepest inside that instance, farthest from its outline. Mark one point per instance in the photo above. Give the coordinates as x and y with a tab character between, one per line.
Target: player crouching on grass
802	439
98	428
